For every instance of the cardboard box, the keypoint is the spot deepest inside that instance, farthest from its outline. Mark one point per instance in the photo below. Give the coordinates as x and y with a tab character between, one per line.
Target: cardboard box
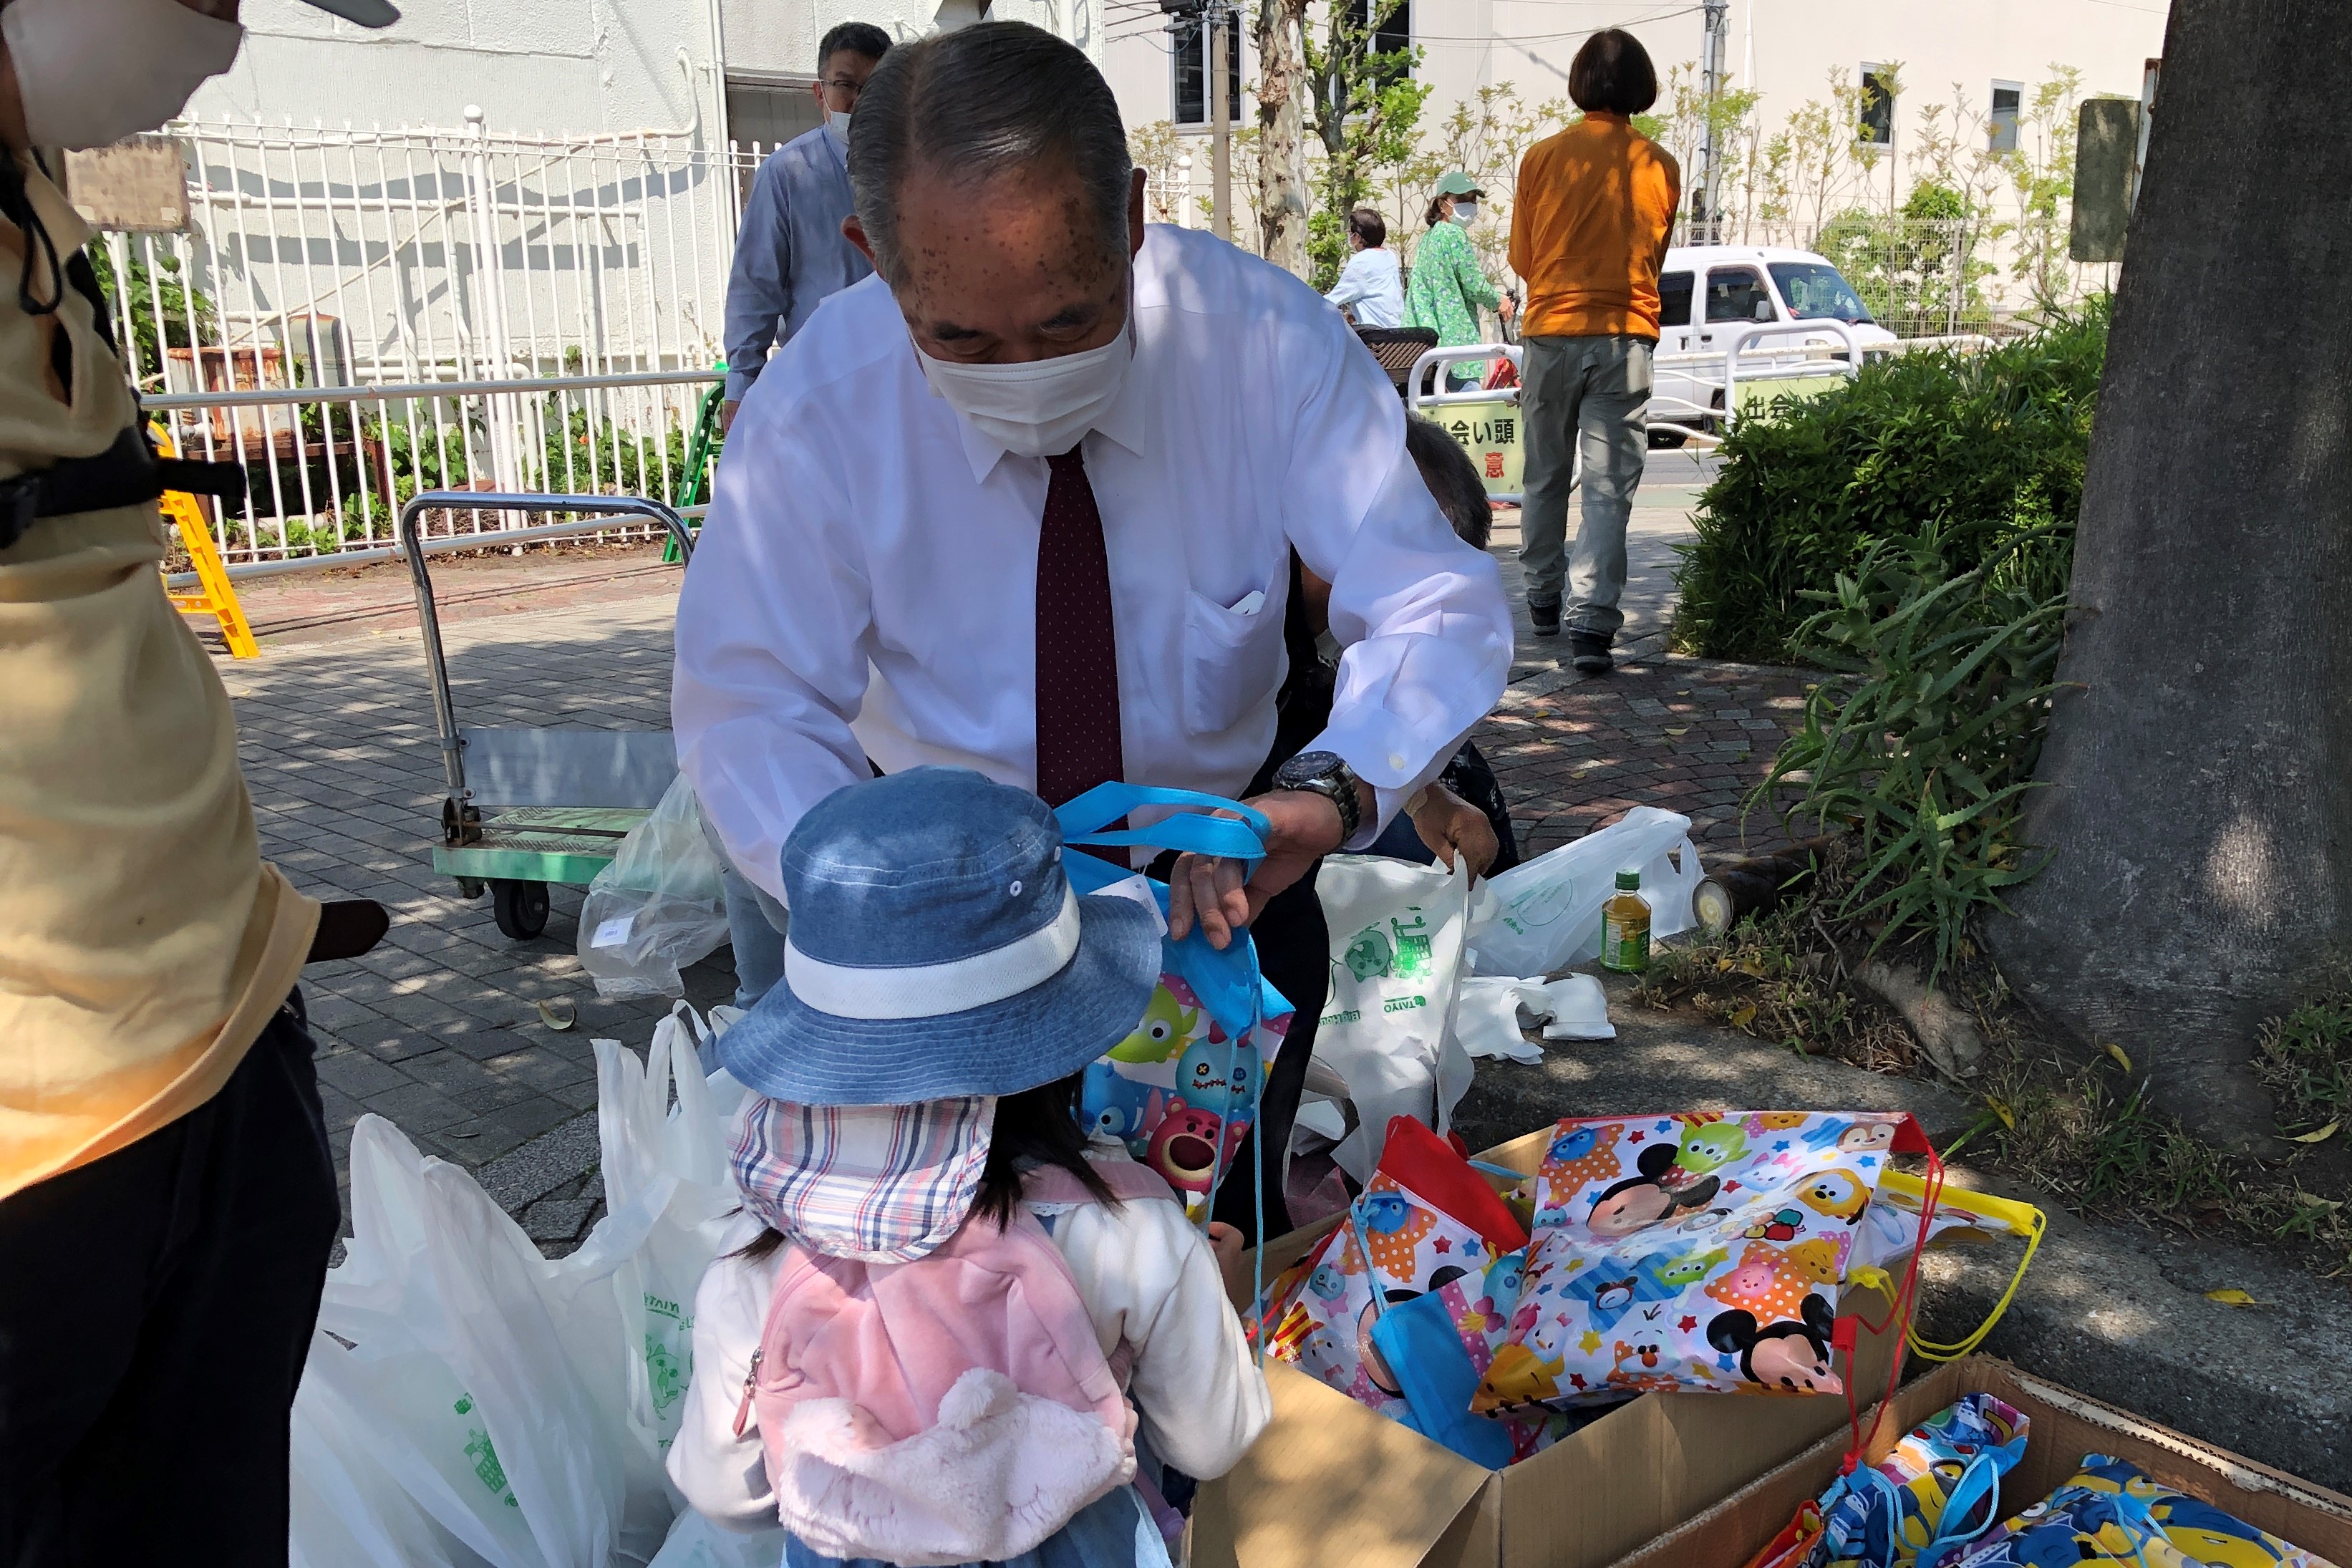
2064	1425
1332	1483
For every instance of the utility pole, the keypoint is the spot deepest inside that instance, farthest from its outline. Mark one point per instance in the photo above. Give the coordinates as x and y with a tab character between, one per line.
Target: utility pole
1220	22
1213	20
1704	199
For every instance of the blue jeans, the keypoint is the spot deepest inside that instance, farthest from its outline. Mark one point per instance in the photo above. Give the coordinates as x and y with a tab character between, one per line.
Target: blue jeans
1113	1531
755	924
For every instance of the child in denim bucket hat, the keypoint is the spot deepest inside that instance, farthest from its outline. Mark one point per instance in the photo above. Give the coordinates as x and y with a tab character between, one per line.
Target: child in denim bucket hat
946	1328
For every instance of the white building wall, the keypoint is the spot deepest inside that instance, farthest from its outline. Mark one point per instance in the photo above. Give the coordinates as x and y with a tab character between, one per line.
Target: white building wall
1785	49
549	66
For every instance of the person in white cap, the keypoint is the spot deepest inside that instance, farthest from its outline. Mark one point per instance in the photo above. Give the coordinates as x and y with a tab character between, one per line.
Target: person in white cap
167	1197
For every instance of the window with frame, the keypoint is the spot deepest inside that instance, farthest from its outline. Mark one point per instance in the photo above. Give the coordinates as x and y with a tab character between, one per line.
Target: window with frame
1673	299
1877	127
1189	61
1733	292
2001	126
1394	34
1387	51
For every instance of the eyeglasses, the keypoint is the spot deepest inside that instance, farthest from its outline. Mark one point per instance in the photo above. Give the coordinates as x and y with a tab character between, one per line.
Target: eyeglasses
842	84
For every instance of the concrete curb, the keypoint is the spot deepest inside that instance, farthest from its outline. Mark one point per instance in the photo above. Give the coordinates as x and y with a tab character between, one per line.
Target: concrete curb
528	1172
2120	1313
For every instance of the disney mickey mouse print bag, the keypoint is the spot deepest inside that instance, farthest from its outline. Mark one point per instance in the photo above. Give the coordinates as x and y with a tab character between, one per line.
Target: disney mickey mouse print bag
1692	1251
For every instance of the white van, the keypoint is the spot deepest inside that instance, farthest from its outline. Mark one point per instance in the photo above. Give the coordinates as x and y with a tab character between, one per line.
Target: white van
1708	291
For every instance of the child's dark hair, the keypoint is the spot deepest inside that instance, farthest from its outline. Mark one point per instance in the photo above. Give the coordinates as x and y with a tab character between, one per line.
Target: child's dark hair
1036	1127
1452	478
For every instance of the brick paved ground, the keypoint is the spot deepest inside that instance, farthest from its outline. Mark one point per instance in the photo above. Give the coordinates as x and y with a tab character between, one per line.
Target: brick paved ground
1575	752
438	1030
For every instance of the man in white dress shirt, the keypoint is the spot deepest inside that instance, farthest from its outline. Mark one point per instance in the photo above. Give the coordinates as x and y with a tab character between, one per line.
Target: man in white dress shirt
1025	502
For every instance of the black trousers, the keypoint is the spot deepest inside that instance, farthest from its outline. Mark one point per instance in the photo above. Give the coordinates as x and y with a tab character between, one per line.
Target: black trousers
1294	952
155	1309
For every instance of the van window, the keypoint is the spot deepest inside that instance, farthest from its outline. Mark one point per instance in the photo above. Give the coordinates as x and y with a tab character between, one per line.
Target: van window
1732	293
1816	290
1673	299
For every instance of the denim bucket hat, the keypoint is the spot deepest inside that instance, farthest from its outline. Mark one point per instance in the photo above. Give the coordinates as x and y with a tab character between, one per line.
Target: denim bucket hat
936	949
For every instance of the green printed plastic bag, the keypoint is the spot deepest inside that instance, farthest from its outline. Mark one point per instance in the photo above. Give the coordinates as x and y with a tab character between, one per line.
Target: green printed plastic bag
1396	962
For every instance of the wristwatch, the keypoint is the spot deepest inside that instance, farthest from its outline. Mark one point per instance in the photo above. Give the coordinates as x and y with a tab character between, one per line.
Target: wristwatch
1327	773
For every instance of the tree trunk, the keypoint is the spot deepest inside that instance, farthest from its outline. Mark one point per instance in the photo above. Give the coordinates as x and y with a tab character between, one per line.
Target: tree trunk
2201	814
1282	81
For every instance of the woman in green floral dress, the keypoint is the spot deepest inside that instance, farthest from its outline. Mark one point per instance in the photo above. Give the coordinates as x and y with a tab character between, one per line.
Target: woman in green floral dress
1448	288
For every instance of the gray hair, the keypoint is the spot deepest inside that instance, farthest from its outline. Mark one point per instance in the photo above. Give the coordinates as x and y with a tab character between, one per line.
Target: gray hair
978	102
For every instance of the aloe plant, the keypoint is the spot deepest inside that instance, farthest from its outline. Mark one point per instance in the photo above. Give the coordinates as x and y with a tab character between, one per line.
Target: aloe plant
1925	750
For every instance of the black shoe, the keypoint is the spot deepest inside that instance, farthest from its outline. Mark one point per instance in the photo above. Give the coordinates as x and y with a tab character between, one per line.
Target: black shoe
1589	651
1546	616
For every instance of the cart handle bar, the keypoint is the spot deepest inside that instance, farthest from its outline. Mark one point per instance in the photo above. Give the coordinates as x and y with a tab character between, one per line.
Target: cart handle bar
445	715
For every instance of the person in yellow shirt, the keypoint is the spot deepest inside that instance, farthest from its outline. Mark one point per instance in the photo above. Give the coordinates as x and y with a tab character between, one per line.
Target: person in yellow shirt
167	1196
1590	227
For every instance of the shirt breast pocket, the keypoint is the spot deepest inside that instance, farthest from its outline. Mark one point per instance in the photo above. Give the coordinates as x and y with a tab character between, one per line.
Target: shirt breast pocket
1233	662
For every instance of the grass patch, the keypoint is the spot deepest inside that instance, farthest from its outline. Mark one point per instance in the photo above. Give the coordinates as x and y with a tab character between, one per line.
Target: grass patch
2082	1131
2304	1060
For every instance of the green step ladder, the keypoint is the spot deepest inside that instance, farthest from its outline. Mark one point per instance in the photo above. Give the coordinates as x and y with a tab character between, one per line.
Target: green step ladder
702	457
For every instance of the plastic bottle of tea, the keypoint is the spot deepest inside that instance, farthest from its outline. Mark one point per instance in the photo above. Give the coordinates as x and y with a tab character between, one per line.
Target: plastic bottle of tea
1626	926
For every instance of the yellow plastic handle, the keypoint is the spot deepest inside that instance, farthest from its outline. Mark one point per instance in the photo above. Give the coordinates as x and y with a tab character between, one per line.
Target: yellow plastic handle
2017	1218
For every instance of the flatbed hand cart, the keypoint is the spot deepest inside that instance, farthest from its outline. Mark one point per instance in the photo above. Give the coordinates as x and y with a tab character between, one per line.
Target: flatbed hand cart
531	807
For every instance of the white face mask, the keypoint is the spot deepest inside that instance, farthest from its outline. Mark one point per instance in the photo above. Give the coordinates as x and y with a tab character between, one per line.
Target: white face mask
840	124
1040	408
1465	212
92	72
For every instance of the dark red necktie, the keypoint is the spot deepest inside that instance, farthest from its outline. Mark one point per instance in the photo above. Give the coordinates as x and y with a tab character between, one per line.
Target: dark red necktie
1077	656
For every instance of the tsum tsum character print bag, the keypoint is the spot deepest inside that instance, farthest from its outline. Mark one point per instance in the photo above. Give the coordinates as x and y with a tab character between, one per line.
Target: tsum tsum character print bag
1692	1251
1397	1242
1181	1091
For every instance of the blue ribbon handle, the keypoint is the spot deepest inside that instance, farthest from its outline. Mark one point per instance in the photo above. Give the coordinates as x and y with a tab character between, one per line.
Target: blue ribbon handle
1240	836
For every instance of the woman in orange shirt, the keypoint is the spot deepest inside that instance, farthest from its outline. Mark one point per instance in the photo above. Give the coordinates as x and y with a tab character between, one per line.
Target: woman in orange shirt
1595	208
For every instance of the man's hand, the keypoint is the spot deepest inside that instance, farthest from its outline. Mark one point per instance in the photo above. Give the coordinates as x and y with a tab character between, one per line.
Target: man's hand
726	409
1451	825
1305	826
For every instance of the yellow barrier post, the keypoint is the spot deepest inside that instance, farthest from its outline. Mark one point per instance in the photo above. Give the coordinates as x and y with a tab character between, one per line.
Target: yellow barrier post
217	598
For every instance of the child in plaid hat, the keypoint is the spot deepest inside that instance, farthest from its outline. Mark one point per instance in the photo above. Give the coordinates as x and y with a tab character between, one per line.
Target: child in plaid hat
950	1329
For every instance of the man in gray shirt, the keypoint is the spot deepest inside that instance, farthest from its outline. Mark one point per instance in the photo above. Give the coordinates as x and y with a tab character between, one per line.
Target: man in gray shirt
791	253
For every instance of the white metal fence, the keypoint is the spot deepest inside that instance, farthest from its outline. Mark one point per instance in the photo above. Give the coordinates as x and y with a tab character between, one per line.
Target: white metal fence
1936	277
353	316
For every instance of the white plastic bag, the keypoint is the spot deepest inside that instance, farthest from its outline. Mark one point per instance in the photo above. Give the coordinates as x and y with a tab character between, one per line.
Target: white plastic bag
1486	1018
1486	1014
669	1194
658	907
469	1401
442	1360
1576	1010
1541	917
1396	958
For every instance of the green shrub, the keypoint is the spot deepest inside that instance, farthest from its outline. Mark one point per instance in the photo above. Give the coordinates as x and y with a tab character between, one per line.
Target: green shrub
1976	447
1926	751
